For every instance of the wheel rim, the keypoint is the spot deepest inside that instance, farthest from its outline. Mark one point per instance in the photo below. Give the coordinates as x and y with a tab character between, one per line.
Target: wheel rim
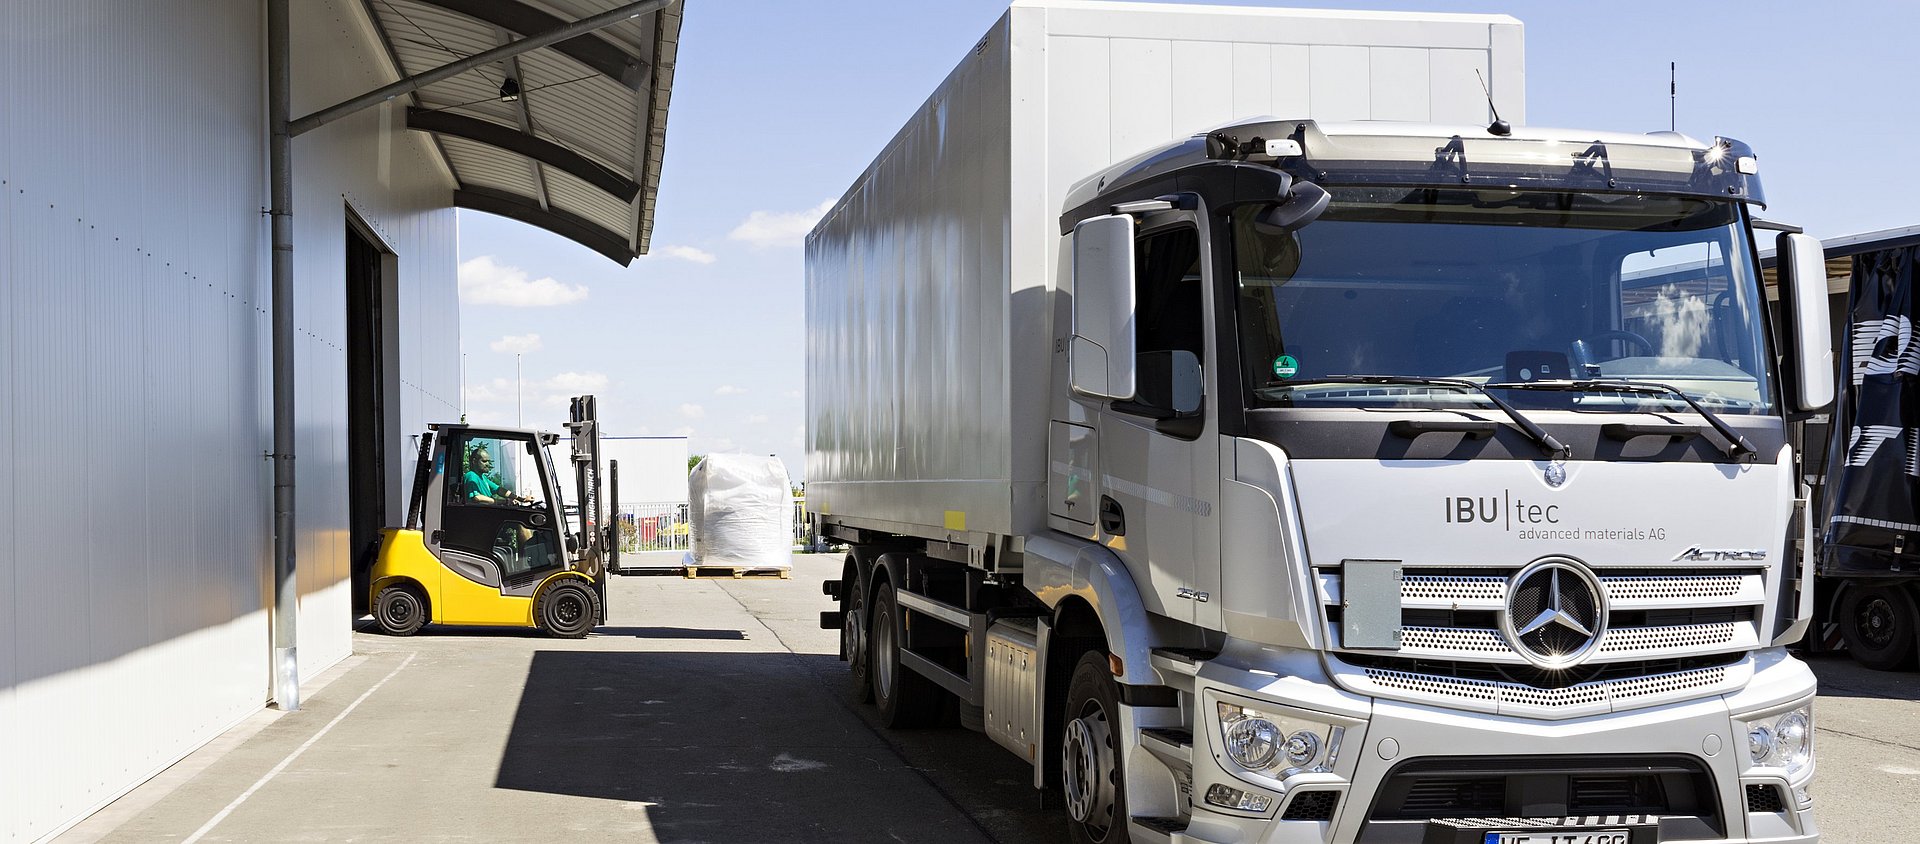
883	661
399	610
852	638
1875	622
1089	771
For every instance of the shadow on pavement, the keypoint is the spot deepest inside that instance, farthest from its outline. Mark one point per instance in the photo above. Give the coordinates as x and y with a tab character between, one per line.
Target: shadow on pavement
669	633
1840	676
720	747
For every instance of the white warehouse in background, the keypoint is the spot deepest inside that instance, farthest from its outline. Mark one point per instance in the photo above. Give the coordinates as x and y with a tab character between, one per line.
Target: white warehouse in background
135	334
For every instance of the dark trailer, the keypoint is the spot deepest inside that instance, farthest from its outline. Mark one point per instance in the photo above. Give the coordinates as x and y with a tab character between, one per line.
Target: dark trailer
1863	459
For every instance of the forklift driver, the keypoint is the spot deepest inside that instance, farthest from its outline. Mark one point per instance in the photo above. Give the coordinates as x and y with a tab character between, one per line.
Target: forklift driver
480	480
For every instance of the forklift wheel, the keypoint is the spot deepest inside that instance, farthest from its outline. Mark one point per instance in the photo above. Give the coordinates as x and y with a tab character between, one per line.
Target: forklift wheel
399	610
569	610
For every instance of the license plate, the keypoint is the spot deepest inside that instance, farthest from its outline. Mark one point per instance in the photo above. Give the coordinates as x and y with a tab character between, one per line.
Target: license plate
1590	836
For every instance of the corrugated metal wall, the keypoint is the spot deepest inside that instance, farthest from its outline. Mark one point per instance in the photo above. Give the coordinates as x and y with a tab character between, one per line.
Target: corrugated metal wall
134	501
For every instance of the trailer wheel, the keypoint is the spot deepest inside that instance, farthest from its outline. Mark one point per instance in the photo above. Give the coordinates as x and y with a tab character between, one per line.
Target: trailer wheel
905	698
400	610
1090	755
853	638
1879	625
568	610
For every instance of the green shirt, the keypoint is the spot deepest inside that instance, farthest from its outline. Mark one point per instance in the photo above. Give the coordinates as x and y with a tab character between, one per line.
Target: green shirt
478	485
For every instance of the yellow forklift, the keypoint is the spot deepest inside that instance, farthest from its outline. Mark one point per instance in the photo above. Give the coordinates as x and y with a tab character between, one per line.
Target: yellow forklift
488	540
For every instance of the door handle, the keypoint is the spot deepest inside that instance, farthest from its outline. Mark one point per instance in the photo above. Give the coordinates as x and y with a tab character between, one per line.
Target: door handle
1113	520
437	537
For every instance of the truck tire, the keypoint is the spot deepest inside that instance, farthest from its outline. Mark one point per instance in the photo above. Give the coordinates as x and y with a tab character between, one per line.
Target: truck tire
399	610
1880	626
568	610
853	638
1096	799
906	699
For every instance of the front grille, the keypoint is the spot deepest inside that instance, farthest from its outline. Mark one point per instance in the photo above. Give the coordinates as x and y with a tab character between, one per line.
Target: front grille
1311	806
1472	796
1666	632
1442	788
1765	798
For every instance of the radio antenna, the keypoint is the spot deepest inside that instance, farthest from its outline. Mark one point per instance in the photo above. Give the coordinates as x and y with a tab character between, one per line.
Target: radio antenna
1673	97
1498	126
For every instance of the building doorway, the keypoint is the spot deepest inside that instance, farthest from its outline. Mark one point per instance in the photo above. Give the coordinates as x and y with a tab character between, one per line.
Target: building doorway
373	477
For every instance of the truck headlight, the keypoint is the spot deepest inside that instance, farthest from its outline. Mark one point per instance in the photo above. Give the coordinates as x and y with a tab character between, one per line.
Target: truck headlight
1784	740
1277	745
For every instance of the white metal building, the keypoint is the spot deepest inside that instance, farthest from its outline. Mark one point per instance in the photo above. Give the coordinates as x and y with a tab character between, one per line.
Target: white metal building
136	503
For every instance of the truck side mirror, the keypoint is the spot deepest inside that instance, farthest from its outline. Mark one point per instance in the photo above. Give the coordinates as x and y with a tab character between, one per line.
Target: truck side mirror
1100	356
1304	204
1803	278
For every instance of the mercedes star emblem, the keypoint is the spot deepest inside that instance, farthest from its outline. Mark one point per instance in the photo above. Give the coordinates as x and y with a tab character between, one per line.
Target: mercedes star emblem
1556	613
1556	474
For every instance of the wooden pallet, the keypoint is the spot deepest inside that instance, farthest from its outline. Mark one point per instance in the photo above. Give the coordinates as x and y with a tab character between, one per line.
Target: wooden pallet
739	572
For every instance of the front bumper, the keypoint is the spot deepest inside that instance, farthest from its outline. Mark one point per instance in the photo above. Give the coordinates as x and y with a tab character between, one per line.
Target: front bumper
1396	760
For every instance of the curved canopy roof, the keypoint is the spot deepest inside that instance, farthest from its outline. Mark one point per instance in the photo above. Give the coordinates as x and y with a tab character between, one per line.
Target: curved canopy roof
568	137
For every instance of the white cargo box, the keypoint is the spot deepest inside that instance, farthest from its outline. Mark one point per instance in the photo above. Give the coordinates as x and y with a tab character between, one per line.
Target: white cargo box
929	285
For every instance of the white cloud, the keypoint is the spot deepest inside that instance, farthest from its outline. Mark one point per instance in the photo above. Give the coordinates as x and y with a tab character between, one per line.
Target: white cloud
515	344
683	431
730	390
778	228
685	253
757	419
576	382
484	281
537	392
692	411
792	394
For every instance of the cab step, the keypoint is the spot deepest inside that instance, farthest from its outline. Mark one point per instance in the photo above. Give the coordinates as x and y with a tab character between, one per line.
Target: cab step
1173	745
1177	666
1159	830
739	572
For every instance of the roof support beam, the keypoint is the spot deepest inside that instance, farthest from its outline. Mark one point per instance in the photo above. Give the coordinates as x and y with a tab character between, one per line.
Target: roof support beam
514	140
577	229
590	50
523	114
421	80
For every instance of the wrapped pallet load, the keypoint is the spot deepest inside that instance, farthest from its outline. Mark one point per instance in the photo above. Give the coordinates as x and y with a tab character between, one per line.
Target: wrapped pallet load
741	508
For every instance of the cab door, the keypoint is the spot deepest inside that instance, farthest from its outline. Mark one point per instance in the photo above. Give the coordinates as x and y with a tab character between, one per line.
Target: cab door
1162	469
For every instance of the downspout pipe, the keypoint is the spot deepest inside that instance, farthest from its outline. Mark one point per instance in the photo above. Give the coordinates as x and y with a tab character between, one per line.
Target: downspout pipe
286	595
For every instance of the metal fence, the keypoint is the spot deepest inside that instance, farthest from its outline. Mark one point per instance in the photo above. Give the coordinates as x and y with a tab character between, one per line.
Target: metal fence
648	526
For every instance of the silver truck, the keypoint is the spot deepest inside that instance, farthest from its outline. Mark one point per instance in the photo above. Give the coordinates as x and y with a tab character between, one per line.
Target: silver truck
1414	478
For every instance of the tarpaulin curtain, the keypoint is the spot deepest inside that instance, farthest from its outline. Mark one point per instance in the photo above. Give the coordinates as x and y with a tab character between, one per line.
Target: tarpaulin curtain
1873	463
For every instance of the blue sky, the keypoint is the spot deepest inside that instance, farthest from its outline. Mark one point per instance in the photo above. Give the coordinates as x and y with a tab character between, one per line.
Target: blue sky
778	105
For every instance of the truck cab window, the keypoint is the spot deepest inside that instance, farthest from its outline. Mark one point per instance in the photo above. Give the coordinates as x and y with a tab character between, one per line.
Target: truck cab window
1167	296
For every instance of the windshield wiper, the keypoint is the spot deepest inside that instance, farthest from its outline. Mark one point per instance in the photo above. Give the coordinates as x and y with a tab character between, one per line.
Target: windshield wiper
1736	443
1546	441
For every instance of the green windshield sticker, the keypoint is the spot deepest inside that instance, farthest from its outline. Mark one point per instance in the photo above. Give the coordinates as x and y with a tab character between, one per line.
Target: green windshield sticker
1285	366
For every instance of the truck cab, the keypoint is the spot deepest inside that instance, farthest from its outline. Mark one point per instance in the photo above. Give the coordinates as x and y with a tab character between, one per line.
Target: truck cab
1445	443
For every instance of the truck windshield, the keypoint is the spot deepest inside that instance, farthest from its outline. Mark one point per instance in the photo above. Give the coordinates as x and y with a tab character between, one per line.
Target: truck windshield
1501	286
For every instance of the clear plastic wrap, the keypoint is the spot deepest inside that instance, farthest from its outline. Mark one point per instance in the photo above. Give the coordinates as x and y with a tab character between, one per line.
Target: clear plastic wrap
741	509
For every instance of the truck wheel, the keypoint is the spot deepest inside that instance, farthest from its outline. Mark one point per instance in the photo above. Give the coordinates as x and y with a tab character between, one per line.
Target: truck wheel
1090	755
568	610
399	610
1878	623
853	639
906	698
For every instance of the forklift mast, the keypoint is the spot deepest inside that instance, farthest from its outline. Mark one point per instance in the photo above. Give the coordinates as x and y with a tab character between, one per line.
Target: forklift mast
584	425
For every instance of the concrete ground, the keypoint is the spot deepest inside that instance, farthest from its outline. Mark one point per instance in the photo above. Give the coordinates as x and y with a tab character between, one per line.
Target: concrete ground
716	711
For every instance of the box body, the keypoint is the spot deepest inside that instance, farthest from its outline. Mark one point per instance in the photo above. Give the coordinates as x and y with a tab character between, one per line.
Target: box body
930	285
